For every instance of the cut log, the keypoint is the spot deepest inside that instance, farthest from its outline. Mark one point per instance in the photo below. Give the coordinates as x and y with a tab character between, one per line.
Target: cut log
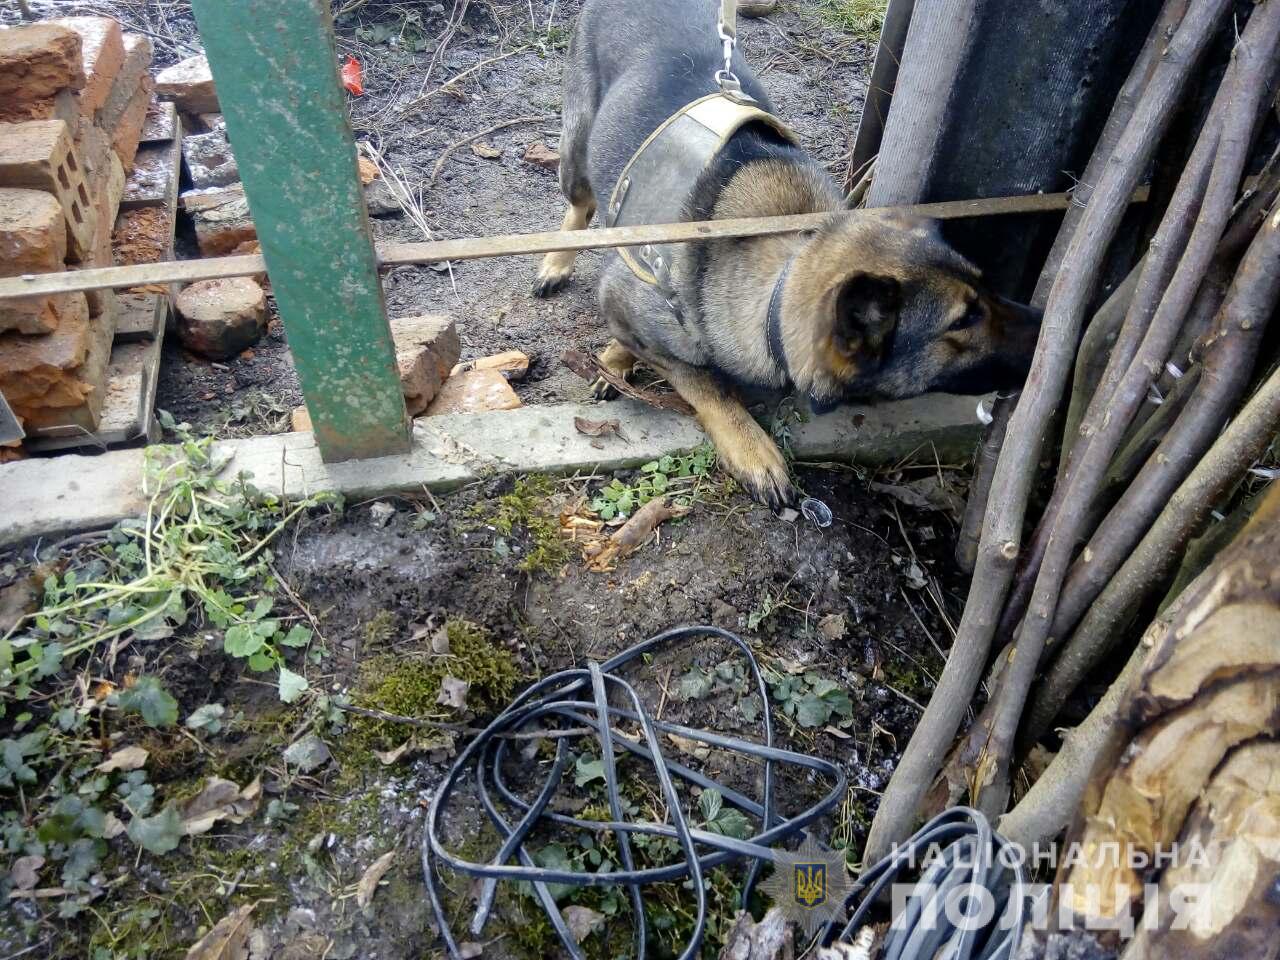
1208	689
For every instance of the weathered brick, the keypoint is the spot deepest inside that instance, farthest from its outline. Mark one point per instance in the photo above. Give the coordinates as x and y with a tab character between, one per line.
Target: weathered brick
40	371
189	84
221	219
474	391
33	239
37	60
93	144
220	318
32	236
137	61
102	49
128	130
63	105
39	155
107	189
427	347
83	388
35	315
161	122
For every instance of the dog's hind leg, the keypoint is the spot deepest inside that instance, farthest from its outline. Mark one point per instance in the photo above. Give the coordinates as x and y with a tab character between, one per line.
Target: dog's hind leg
743	447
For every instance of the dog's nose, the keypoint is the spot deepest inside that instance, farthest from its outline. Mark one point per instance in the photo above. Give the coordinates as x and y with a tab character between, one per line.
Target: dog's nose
1020	314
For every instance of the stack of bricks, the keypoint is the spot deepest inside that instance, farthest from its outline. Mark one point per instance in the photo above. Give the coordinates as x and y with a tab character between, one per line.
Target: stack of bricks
74	96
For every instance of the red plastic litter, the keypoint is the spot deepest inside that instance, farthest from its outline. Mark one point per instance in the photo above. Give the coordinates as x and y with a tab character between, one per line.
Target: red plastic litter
353	76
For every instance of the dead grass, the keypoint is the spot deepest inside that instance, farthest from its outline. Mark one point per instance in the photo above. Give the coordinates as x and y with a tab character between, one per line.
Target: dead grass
860	18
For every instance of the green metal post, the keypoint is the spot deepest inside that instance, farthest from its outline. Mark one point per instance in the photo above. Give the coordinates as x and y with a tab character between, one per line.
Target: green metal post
276	71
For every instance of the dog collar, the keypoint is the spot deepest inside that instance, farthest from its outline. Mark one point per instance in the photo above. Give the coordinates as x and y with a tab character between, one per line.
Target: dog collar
778	352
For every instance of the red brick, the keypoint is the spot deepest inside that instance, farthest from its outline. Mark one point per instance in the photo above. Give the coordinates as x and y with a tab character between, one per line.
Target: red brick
128	131
39	155
39	371
137	61
32	236
93	144
190	85
221	219
427	347
61	106
475	391
37	60
73	404
36	315
103	52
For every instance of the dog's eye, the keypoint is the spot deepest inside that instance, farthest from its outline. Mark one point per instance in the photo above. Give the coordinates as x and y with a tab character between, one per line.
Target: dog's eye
972	317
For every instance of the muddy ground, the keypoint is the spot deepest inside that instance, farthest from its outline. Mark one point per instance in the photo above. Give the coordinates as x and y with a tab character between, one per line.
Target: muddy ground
859	604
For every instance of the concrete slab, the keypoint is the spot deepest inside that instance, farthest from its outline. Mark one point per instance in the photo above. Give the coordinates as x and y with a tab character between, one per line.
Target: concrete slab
47	497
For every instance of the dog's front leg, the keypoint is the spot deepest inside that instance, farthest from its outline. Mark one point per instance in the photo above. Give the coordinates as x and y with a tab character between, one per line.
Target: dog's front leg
557	267
742	445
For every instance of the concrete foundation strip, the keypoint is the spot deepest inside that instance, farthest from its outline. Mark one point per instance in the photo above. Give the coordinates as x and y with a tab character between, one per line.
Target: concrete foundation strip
45	497
474	248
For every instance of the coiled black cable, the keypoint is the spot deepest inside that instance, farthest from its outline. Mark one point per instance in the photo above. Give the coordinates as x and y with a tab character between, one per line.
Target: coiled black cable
579	697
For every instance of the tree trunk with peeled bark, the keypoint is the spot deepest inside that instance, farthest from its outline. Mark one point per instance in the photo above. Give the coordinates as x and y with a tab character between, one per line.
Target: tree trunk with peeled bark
1191	764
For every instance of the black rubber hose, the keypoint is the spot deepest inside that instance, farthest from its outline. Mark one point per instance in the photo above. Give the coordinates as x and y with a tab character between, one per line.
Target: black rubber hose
972	860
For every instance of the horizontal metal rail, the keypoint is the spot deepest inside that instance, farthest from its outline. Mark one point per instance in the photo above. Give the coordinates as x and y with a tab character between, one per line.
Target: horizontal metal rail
476	248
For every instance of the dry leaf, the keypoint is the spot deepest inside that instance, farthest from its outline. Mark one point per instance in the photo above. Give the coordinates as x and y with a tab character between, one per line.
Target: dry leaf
369	881
112	827
693	748
127	758
832	626
453	693
220	800
581	921
838	733
540	155
927	493
597	428
485	151
440	642
635	533
228	940
470	950
25	872
388	757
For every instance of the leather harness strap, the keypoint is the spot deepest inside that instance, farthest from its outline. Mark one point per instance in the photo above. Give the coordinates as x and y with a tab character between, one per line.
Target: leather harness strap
658	180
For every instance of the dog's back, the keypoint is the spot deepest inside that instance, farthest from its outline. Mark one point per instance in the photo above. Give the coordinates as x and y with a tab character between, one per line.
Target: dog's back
636	64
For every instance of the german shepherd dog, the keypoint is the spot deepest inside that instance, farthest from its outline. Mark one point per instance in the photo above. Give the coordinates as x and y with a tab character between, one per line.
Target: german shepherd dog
868	308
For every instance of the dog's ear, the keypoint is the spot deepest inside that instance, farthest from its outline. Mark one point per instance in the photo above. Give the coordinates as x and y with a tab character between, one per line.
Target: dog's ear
867	308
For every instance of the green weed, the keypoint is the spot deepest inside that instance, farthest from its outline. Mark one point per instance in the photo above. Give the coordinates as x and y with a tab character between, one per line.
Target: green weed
679	476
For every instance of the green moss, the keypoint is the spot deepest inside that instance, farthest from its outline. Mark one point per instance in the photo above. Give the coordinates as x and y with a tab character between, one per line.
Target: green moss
522	513
410	686
379	630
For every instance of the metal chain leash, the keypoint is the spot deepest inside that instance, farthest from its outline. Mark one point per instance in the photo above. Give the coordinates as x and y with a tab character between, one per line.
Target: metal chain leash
728	29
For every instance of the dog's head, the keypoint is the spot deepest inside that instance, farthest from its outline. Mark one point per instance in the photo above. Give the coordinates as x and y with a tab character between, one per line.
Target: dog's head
892	311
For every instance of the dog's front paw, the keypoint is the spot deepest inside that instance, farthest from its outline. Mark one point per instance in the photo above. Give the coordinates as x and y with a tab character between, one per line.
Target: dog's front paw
761	470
